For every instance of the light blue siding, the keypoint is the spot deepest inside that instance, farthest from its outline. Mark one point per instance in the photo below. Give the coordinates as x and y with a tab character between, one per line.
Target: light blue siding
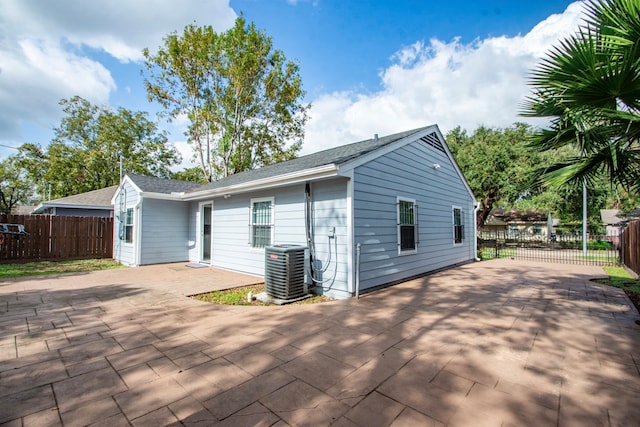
329	215
164	231
231	231
409	172
127	197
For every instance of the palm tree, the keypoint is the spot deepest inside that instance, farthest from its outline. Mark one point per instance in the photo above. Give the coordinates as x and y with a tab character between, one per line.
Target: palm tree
589	87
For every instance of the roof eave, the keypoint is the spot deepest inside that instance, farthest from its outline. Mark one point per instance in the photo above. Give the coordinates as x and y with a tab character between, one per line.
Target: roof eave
161	196
325	171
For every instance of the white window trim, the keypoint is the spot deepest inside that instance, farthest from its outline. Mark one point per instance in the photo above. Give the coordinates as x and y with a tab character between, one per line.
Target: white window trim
123	221
415	225
272	223
200	225
453	224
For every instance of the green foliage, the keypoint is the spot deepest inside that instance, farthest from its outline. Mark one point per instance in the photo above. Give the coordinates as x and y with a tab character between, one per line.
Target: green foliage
565	203
85	152
15	187
242	97
190	174
599	245
589	86
497	163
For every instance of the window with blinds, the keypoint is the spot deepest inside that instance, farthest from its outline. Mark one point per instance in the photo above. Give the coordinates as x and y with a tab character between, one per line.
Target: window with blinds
126	225
407	226
458	226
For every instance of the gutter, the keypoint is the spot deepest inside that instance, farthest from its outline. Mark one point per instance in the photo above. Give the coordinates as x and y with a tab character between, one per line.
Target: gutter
274	181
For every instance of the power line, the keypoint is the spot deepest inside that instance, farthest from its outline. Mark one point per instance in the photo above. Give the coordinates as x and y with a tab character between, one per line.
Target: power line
8	146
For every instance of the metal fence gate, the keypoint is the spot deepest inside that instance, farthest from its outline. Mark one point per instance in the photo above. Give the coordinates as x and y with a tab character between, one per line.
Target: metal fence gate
565	249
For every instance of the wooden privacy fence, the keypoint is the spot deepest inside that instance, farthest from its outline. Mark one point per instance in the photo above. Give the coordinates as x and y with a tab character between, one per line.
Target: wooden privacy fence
57	238
630	243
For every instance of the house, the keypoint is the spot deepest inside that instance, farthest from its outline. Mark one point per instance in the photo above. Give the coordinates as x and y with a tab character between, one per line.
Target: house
399	200
613	220
517	223
92	203
22	210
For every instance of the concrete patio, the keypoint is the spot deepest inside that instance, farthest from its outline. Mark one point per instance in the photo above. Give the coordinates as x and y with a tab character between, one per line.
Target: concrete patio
494	343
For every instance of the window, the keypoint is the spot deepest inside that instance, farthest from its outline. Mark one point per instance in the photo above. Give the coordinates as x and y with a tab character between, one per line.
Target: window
261	222
407	227
126	225
458	226
537	230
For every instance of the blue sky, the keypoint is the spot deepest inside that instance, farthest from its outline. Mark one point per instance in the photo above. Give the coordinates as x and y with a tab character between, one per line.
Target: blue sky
343	45
367	66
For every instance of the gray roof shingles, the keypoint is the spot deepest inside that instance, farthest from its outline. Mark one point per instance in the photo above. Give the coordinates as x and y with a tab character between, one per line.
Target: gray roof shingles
153	184
337	156
100	197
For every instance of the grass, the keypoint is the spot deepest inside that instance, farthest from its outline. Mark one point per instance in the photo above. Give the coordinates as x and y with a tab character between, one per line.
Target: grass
490	253
238	296
612	258
621	278
8	271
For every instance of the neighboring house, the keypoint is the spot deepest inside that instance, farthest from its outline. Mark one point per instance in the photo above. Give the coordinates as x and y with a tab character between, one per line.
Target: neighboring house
516	223
22	210
92	203
401	198
612	220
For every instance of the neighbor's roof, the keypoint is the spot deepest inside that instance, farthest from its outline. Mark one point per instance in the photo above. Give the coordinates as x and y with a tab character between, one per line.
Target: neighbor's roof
96	199
335	156
614	217
151	184
611	216
22	209
515	215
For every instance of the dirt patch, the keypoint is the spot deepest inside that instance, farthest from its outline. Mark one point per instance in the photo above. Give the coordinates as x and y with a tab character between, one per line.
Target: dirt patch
239	296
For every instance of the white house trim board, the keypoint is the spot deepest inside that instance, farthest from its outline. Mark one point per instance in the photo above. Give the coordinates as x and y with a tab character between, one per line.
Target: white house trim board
351	265
137	227
162	196
130	181
325	171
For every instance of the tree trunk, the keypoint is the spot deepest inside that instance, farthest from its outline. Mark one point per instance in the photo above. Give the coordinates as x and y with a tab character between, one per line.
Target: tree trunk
485	207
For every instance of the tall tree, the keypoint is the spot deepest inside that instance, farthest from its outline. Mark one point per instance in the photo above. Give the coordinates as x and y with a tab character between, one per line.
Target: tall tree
243	98
15	187
589	87
85	152
497	164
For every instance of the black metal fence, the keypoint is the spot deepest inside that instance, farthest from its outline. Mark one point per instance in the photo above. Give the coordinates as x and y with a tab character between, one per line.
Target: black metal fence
565	249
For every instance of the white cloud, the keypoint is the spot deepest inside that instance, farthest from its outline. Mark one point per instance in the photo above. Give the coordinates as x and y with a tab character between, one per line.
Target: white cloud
47	50
446	83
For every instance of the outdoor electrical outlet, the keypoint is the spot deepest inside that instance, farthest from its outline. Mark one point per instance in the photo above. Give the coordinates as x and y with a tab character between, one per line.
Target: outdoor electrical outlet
332	232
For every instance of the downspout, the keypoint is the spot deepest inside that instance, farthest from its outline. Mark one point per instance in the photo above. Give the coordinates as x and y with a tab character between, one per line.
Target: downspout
307	225
358	270
476	207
